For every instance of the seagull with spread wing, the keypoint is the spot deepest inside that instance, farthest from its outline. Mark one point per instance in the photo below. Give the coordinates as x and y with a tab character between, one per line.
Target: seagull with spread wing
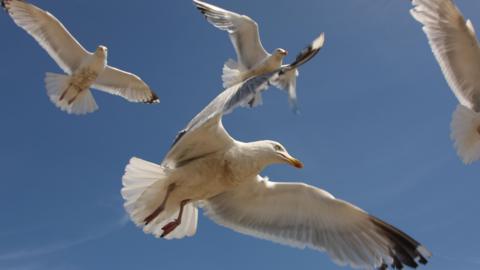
252	58
455	46
71	92
208	168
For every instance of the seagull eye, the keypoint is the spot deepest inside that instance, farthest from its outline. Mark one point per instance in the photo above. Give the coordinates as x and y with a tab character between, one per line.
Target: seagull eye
278	147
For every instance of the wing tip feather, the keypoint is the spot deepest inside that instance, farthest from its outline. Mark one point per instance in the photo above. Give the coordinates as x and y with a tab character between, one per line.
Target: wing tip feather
404	250
153	99
5	4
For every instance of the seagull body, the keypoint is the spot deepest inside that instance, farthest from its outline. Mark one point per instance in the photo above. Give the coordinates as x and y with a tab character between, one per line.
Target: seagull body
71	93
455	46
252	58
207	168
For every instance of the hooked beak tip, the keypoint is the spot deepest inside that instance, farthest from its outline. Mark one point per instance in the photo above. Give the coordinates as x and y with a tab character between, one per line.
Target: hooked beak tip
295	163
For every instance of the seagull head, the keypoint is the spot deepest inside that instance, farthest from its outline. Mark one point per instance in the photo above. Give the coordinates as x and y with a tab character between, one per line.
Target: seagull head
281	52
271	152
102	50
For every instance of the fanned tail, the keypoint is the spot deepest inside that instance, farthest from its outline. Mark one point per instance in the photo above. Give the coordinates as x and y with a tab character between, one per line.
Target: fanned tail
145	185
67	97
232	73
466	133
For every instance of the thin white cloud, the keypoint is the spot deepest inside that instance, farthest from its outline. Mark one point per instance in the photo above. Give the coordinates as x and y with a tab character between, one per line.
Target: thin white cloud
63	245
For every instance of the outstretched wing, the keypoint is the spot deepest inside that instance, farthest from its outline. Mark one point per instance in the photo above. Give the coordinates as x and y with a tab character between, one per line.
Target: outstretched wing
49	33
288	79
205	133
126	85
243	33
454	45
302	216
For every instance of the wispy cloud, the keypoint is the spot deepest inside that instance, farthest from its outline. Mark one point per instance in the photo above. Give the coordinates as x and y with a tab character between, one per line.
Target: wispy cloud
50	248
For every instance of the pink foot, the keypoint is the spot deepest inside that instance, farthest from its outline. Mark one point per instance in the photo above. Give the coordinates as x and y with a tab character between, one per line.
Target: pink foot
153	215
170	227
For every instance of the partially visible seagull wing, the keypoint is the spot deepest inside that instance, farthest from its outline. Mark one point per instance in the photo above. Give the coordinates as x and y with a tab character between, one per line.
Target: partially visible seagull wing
126	85
49	33
302	216
288	77
243	33
205	133
308	53
455	46
192	141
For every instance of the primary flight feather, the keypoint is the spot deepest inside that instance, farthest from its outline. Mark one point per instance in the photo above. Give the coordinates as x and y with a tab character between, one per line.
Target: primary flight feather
71	92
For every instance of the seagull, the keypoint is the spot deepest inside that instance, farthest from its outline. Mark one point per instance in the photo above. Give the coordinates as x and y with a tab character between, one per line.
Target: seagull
71	92
252	58
455	46
208	168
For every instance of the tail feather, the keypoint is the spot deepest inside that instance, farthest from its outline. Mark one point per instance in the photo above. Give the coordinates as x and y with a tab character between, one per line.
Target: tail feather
232	73
145	186
65	97
465	132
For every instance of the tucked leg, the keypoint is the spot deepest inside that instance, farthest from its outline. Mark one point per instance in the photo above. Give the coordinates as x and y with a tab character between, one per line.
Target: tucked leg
79	90
174	224
65	92
160	208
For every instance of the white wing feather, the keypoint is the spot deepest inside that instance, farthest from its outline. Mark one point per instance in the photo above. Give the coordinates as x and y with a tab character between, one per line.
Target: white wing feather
243	33
126	85
49	33
304	216
454	45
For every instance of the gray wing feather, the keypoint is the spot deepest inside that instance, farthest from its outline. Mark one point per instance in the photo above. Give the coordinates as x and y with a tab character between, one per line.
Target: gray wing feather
243	33
302	216
455	47
49	32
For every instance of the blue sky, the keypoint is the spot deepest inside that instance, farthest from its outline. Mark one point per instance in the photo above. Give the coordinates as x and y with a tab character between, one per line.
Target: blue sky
373	130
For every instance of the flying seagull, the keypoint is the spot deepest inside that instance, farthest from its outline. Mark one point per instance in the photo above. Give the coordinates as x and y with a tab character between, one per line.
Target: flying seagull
208	168
252	58
455	46
71	92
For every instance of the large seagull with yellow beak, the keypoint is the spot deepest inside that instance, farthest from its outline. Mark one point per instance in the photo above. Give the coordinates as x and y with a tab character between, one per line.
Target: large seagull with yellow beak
208	168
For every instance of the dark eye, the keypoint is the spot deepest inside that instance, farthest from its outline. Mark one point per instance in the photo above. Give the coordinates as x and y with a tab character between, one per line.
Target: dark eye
277	147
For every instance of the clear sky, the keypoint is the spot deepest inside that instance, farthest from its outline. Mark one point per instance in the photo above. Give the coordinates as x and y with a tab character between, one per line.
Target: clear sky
373	130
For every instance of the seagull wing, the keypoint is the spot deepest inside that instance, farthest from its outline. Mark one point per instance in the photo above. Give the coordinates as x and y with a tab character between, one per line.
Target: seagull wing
454	45
49	33
205	133
288	79
302	216
126	85
243	33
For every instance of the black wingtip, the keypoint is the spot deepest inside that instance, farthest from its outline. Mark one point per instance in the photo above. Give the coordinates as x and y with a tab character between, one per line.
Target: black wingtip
179	136
199	5
153	99
309	52
404	250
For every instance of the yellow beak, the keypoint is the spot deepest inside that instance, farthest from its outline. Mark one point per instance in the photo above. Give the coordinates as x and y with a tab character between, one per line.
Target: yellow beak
293	161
